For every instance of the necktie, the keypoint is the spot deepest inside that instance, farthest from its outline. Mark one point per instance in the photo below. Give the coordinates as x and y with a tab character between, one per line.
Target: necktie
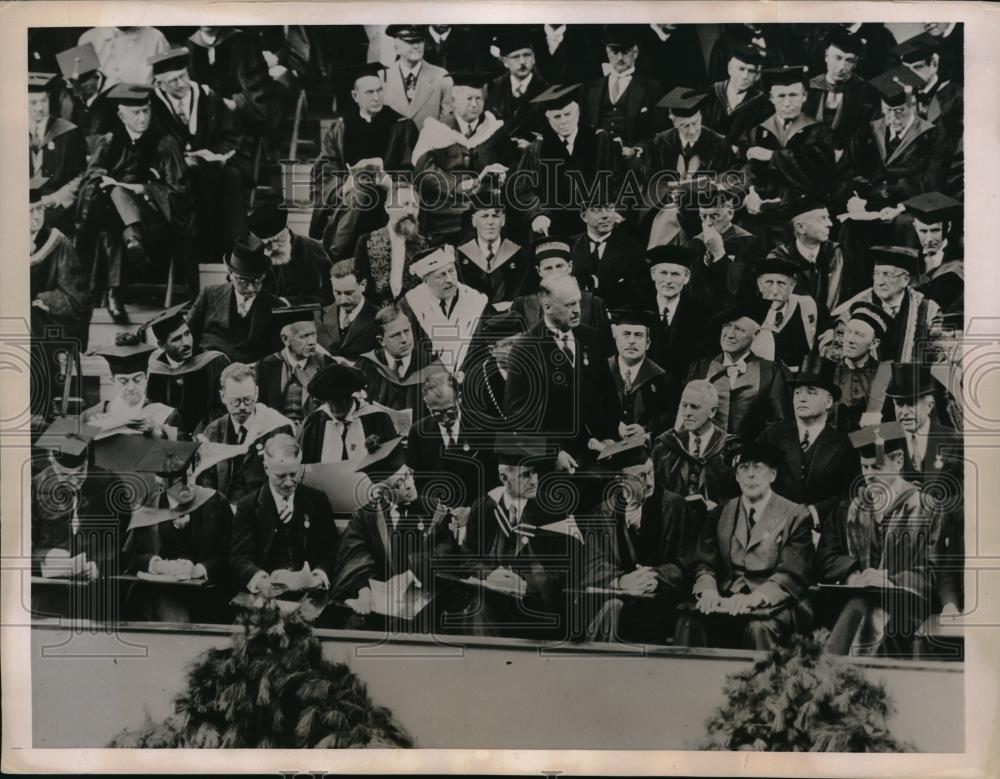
449	435
595	250
512	515
732	371
343	439
470	131
569	149
892	141
615	88
518	90
804	443
697	446
750	520
445	308
241	434
564	346
182	112
666	316
285	512
779	317
687	150
397	365
914	452
490	254
409	84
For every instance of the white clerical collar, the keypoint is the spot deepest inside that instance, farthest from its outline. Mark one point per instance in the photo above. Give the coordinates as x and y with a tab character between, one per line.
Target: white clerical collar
557	332
808	252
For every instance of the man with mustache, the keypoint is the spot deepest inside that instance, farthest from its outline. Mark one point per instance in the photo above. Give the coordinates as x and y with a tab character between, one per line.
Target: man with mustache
181	374
793	319
382	258
445	312
299	266
346	327
414	88
937	222
606	260
509	96
645	391
183	533
284	376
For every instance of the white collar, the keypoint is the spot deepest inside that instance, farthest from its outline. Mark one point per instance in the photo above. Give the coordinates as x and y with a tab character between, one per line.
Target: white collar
134	136
808	253
484	245
517	503
906	129
601	239
290	359
354	312
814	429
569	140
728	361
667	303
351	415
760	505
465	126
248	425
437	36
930	84
407	71
859	363
247	300
456	426
659	33
521	84
279	500
171	361
555	29
629	371
704	439
404	361
628	73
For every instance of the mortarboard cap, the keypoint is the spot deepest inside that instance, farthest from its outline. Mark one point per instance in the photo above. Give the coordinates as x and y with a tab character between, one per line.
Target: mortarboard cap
845	40
750	53
486	196
470	78
496	328
546	248
897	256
267	220
934	207
353	72
247	257
336	380
620	36
817	371
166	322
785	76
626	453
671	254
894	85
176	58
556	96
78	62
513	38
910	380
760	452
282	316
773	264
708	194
521	453
754	309
384	458
876	440
35	186
169	459
682	101
40	82
634	316
425	263
918	49
130	94
67	438
803	204
407	32
875	316
126	358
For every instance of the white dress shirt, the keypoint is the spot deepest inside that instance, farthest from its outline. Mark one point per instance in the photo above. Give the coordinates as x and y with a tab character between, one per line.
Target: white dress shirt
667	307
333	440
243	303
565	340
450	438
570	140
518	86
809	253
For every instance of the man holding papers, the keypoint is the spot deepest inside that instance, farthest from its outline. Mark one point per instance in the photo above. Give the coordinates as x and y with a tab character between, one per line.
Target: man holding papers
180	535
880	541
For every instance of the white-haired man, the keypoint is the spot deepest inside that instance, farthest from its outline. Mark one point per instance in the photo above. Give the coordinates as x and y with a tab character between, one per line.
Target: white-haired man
283	376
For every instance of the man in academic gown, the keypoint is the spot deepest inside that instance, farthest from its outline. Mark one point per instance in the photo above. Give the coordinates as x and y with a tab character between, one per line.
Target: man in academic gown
751	389
455	157
819	465
689	146
135	197
337	430
182	531
458	48
183	375
484	385
299	268
693	459
57	152
444	312
391	535
606	260
346	327
205	127
646	393
76	526
672	53
284	376
862	380
937	221
283	533
490	262
235	317
736	103
792	319
85	102
248	424
740	36
940	99
414	88
509	96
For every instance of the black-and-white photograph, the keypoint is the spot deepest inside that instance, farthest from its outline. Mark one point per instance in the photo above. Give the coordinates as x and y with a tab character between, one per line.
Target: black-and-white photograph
497	386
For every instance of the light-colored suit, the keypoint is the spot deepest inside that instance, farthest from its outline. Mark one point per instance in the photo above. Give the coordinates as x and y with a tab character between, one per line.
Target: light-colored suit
431	97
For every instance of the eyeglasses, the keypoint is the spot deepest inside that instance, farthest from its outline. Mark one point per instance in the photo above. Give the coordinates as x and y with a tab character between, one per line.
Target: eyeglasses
249	281
889	274
180	78
248	402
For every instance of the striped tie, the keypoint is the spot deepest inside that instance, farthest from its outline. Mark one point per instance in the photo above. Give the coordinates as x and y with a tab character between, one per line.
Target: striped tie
285	512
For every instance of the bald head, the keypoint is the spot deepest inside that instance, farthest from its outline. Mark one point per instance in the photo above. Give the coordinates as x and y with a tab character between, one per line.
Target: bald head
560	298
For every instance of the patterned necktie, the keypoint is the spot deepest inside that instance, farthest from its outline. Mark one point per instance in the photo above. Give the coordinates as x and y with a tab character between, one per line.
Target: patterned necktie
804	443
750	520
564	347
779	317
285	512
241	434
490	255
397	365
697	446
410	84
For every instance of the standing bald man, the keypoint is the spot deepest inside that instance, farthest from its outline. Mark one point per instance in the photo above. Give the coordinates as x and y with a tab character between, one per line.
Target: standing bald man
559	385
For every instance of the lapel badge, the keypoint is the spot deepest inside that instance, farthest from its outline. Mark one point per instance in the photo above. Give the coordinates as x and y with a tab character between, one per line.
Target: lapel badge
420	525
306	523
51	146
938	461
465	447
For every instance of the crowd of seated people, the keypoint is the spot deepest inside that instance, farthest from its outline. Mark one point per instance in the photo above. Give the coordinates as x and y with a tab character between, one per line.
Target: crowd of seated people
629	332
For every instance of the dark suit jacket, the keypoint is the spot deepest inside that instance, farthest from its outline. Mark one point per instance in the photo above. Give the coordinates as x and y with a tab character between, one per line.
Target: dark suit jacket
269	372
858	106
649	402
519	116
724	282
205	540
359	337
63	155
758	397
214	313
710	154
388	389
778	558
674	347
804	162
593	313
827	281
833	466
576	59
215	129
468	468
709	475
675	62
250	465
559	402
465	49
638	103
305	278
257	518
620	277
